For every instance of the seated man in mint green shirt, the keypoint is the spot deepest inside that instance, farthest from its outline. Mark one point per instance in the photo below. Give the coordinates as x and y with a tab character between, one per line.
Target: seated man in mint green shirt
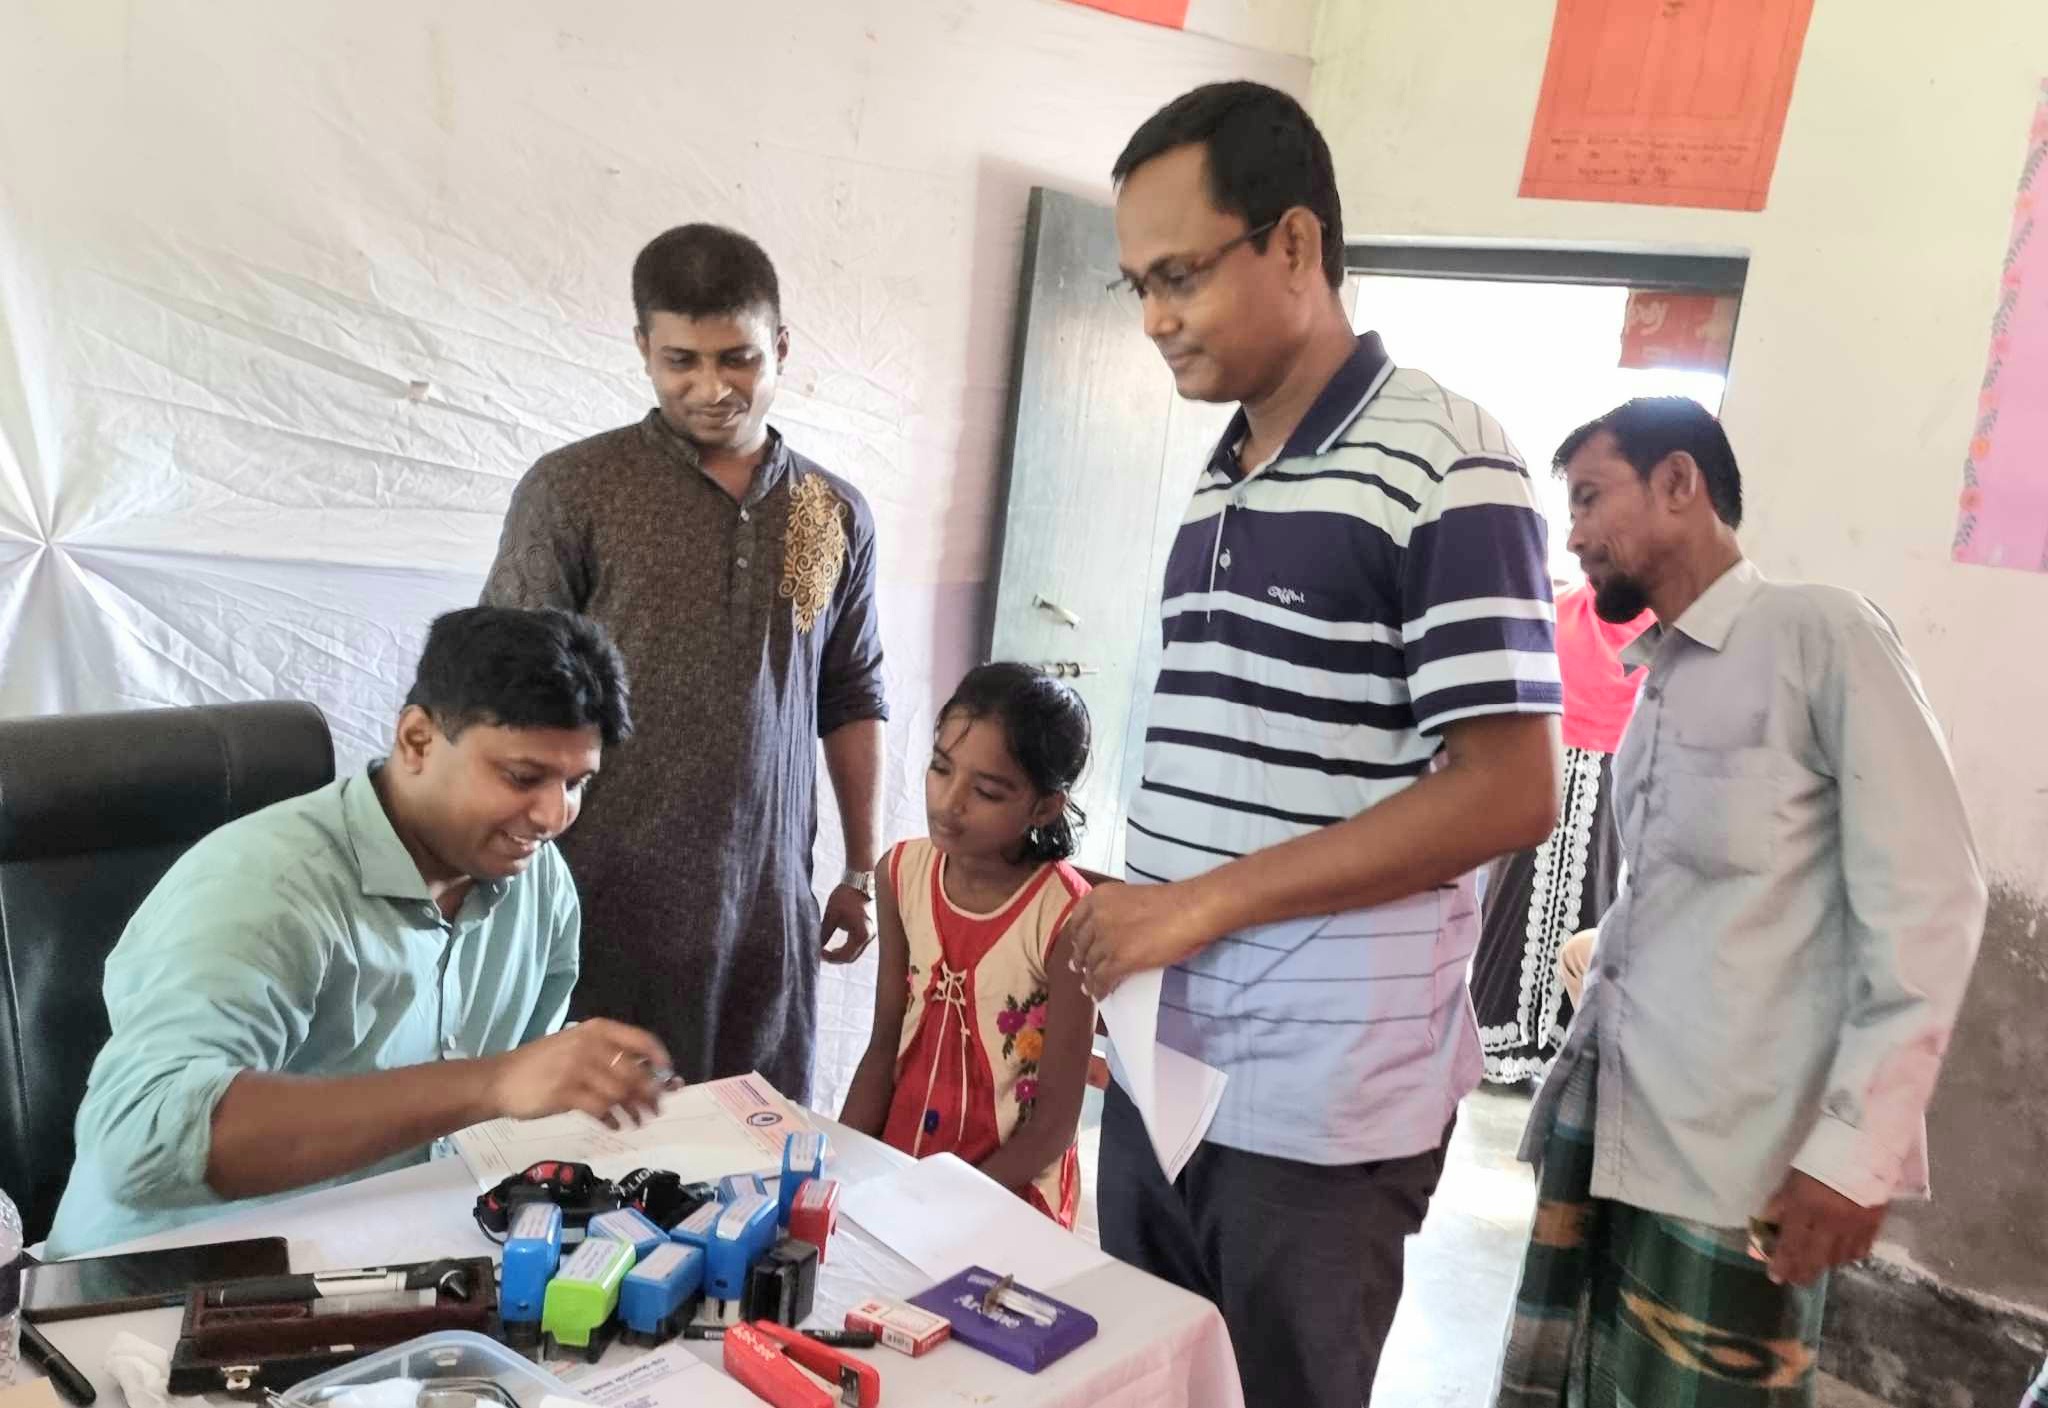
317	991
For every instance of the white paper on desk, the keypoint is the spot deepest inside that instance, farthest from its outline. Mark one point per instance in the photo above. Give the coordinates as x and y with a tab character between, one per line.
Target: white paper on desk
943	1216
701	1132
668	1377
1176	1095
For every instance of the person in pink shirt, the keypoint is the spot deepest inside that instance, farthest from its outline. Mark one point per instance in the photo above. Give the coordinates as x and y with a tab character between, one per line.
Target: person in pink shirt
1537	900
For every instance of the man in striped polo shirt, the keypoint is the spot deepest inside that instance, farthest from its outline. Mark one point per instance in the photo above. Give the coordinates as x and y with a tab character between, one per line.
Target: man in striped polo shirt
1353	713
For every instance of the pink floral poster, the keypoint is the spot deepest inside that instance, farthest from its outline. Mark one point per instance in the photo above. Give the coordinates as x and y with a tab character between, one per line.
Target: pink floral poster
2003	519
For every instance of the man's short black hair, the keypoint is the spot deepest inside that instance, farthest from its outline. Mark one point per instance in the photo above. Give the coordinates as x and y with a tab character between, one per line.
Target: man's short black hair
1650	428
1265	156
704	271
522	669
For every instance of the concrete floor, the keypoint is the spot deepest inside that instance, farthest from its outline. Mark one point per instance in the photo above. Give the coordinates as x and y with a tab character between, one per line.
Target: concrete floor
1463	1267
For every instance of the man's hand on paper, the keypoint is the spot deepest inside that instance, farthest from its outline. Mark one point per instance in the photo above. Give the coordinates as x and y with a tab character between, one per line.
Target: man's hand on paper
599	1067
1119	930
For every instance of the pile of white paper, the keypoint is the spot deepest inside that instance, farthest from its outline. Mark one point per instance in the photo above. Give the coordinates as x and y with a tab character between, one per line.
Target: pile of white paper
943	1216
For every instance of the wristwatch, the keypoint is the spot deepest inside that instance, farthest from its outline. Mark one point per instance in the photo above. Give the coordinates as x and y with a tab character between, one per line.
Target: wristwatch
862	882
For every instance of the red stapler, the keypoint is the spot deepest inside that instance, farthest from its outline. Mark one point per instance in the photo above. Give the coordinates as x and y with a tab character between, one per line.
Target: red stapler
766	1357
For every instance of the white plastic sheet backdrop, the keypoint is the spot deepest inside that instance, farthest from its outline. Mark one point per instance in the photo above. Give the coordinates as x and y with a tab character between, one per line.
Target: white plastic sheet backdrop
290	294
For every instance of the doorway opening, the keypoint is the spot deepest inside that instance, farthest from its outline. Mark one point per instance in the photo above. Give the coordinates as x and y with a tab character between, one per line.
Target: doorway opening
1545	341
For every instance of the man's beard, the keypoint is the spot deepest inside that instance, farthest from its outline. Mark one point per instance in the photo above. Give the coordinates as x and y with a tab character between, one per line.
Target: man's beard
1619	600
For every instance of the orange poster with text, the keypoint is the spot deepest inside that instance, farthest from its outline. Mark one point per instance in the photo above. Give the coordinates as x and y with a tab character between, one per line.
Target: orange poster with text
1171	13
1665	102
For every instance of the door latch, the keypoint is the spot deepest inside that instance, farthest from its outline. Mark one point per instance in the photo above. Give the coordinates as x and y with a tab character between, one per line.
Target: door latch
1057	612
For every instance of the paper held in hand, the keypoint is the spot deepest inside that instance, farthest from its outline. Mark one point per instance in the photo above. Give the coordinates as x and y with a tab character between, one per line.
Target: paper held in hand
1176	1094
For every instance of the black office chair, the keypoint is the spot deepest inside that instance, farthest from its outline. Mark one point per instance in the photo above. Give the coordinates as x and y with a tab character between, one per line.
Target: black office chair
94	808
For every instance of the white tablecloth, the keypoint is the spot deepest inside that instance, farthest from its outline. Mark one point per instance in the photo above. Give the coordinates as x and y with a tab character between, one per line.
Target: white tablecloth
1158	1345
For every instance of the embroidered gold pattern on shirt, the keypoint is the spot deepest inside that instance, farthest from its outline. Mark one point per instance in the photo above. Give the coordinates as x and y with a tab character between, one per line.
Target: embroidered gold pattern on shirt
815	549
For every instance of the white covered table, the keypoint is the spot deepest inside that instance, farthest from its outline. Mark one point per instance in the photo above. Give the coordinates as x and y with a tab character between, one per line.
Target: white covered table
1158	1345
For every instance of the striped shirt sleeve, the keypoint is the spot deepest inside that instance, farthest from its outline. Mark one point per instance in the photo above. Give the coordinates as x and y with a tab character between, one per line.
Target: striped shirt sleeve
1477	621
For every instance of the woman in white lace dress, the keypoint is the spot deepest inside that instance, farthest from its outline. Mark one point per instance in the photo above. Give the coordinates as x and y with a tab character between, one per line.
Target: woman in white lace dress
1536	900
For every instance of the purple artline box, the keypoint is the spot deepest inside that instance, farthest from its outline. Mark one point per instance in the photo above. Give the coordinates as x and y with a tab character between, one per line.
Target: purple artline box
1028	1330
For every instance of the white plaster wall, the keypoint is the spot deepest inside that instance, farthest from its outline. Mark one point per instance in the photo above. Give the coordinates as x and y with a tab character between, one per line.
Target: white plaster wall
234	234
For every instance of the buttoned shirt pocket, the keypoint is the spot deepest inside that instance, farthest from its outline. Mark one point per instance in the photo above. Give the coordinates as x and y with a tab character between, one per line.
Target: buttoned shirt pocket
1721	807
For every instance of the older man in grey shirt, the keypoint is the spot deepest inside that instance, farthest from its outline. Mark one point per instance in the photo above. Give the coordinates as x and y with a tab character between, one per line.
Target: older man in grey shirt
1742	1093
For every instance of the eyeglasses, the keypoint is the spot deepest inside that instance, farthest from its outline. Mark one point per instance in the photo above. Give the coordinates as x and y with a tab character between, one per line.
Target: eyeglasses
1174	279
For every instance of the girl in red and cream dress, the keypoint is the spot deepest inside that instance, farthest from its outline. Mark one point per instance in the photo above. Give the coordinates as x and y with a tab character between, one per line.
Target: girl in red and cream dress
982	1033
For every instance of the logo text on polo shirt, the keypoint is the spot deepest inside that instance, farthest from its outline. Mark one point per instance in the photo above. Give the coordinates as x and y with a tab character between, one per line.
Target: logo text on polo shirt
1287	596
